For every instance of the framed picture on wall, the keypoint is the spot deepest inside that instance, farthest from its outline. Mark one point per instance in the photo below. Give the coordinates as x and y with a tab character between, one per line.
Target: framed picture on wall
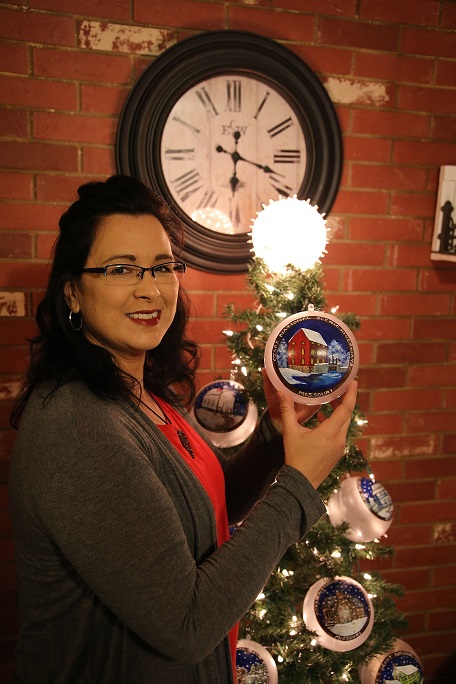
443	246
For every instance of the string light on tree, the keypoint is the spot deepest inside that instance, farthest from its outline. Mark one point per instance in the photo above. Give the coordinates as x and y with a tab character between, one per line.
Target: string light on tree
289	231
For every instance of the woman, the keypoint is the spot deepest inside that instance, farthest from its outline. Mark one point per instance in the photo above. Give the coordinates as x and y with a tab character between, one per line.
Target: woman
126	572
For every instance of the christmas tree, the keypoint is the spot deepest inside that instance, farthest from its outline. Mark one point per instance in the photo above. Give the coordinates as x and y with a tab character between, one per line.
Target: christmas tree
276	619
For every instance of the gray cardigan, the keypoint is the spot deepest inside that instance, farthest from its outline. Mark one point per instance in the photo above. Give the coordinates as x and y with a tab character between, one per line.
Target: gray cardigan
119	577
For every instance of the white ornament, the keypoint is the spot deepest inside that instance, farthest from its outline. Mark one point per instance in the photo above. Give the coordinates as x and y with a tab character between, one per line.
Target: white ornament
400	664
365	505
225	413
289	231
340	612
312	356
254	664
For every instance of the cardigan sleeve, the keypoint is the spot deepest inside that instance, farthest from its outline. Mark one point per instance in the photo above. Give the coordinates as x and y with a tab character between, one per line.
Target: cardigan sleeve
250	471
98	492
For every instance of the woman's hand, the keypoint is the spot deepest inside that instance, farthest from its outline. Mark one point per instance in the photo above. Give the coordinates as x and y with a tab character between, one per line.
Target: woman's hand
303	412
315	452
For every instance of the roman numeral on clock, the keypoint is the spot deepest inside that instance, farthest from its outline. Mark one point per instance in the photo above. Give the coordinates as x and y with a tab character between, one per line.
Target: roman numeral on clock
193	129
279	186
206	101
233	96
187	184
261	105
209	200
280	127
180	154
287	156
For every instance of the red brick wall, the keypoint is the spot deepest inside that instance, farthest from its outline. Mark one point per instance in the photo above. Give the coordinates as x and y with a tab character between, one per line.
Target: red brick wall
390	68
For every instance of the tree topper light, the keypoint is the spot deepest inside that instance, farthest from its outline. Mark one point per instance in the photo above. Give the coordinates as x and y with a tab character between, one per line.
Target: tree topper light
289	231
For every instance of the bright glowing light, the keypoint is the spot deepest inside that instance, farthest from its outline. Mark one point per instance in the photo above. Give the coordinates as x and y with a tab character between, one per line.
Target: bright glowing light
336	554
313	642
228	333
281	314
214	219
244	371
259	328
260	596
289	231
360	547
280	659
367	576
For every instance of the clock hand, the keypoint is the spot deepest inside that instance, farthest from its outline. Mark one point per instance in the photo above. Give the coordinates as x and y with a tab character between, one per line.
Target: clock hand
236	157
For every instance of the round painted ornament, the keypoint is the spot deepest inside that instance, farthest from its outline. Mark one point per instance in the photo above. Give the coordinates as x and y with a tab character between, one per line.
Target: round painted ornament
365	505
399	665
254	664
340	612
225	413
312	356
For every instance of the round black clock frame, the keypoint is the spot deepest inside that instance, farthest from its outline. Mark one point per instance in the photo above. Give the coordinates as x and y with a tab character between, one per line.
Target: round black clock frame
215	53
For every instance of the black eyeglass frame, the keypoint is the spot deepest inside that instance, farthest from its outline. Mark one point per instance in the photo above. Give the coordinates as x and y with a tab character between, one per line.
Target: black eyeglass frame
141	269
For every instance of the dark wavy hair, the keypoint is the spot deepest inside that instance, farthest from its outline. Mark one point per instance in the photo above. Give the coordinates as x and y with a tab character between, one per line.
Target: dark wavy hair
61	354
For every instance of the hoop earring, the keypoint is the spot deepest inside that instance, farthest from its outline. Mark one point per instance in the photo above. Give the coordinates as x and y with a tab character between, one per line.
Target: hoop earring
71	322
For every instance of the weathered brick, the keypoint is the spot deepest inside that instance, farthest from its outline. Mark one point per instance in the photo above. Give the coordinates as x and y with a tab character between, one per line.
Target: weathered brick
115	9
75	128
81	66
96	35
417	304
38	156
16	186
16	246
402	446
392	67
12	304
358	34
14	58
14	123
182	13
38	93
102	99
405	12
34	27
387	228
98	160
423	41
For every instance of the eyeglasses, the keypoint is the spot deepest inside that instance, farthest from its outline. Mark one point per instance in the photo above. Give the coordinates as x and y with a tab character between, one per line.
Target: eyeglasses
128	274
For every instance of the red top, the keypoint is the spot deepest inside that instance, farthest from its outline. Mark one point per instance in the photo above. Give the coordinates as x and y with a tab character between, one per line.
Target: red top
206	466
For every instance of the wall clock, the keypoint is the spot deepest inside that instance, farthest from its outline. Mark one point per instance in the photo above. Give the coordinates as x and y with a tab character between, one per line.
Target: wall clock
221	123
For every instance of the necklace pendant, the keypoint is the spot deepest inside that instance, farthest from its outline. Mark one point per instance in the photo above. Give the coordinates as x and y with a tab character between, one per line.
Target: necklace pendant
183	439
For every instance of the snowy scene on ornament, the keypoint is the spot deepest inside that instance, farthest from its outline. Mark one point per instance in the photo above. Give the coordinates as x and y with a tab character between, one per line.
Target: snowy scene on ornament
254	664
340	612
313	356
376	498
221	406
400	666
225	413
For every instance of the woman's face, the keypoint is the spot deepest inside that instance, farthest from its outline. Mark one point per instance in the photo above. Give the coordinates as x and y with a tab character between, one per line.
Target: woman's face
127	320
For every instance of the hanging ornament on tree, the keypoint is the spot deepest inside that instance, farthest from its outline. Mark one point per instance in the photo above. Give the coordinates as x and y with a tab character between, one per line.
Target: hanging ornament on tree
312	356
365	505
400	664
225	413
289	231
254	664
340	612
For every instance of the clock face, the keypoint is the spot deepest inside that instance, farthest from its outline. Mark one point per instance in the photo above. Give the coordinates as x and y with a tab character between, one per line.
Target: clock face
219	124
230	144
